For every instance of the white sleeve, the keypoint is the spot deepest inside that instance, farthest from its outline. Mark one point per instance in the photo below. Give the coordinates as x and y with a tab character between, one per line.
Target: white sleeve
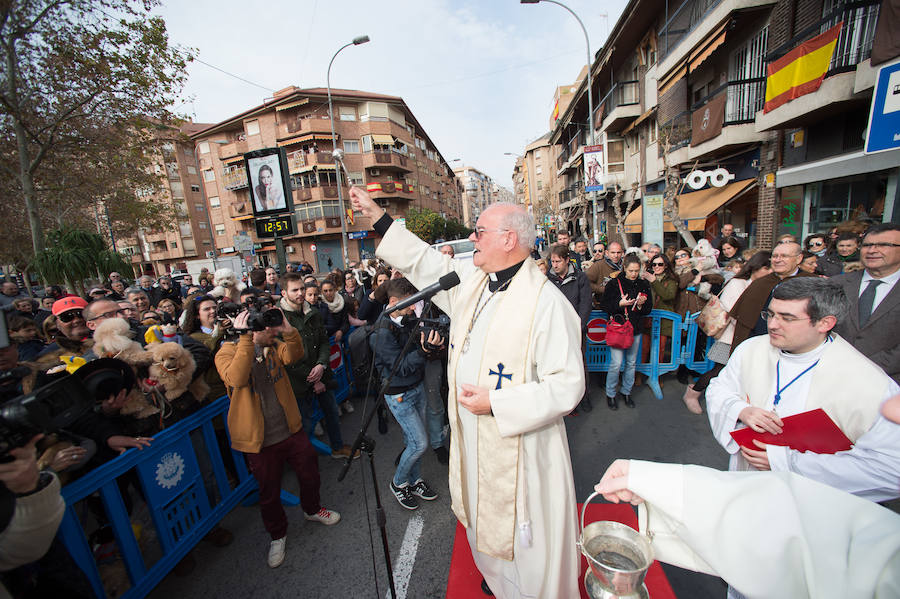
724	401
559	386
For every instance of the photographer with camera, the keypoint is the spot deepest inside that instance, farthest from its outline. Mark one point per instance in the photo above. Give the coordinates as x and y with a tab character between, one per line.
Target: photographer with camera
405	396
311	376
264	420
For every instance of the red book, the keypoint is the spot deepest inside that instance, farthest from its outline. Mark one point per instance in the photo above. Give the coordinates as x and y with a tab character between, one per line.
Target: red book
807	431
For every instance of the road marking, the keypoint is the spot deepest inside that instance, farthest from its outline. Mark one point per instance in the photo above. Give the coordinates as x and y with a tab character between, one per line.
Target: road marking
403	567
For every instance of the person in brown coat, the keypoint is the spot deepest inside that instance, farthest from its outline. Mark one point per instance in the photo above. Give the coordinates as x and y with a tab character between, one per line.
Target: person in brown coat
786	258
602	271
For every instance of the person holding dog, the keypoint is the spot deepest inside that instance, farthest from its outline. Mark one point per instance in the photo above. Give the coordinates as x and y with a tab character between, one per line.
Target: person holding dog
265	423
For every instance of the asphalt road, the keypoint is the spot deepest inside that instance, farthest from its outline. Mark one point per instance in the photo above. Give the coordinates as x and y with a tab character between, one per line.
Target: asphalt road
346	560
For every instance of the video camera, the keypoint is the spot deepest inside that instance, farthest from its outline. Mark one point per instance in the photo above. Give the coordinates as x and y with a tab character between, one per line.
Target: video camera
441	324
261	316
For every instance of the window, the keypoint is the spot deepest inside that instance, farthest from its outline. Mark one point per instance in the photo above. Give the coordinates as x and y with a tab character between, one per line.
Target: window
252	127
615	156
201	225
356	179
173	244
199	207
537	154
367	143
214	201
348	113
203	147
540	185
652	131
209	175
192	170
537	169
195	188
220	230
351	146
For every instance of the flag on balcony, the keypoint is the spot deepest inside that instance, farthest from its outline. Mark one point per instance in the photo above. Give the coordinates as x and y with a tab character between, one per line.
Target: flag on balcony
706	121
800	71
555	114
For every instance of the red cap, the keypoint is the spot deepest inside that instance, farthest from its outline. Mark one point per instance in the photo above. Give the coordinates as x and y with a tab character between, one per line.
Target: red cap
68	303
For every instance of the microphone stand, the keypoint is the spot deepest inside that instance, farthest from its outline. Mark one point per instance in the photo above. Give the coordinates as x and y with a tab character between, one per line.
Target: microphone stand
366	444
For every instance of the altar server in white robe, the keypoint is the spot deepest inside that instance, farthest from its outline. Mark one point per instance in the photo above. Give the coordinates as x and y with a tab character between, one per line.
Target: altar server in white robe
799	366
515	370
776	535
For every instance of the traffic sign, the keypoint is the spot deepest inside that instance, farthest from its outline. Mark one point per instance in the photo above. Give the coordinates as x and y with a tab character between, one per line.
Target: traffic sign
884	115
312	247
335	358
596	330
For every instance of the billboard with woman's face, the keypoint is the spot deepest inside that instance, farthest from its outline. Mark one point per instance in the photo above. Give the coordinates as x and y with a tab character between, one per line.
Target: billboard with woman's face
269	182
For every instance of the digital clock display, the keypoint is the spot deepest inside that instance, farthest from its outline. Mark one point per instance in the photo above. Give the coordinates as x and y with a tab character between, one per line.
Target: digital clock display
279	226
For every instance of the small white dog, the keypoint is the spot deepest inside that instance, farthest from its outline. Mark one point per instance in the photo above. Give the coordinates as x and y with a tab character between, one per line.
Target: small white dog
227	285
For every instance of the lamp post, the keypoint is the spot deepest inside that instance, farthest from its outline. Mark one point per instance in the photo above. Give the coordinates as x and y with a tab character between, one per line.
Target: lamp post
587	42
362	39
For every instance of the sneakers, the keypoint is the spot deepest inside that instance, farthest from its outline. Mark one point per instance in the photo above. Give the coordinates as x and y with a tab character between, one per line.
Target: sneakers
344	452
318	431
276	552
347	407
326	517
423	491
405	496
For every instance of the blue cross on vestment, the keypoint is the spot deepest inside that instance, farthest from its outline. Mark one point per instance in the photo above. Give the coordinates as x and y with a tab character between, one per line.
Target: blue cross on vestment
499	374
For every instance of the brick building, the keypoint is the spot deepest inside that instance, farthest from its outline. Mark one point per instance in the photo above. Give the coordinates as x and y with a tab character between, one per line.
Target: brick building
385	149
477	192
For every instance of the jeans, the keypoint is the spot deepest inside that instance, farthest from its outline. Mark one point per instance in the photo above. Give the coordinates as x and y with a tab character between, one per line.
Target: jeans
331	416
434	419
616	357
409	409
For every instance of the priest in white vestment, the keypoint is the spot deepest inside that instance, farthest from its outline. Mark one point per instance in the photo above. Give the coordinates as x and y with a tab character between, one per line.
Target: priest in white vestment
800	366
515	370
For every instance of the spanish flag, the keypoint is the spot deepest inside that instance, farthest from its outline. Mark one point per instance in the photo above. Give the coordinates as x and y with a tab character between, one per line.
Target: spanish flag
801	70
555	114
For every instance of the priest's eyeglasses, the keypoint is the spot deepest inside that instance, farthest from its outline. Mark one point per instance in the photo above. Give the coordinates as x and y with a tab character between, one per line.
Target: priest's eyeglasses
768	316
480	230
880	246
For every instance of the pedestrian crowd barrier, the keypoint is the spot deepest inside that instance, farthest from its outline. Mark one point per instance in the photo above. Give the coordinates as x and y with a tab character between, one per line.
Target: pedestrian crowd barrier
679	349
189	484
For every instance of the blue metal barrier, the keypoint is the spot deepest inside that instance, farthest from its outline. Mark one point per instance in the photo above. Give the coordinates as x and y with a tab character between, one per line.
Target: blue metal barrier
173	486
597	352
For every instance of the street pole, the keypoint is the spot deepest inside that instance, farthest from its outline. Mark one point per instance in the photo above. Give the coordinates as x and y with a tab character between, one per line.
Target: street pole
592	197
362	39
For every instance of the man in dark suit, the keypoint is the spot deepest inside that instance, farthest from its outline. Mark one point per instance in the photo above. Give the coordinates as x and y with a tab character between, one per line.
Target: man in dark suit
873	325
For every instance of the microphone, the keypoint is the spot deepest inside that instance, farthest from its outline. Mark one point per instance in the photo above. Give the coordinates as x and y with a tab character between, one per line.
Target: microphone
446	282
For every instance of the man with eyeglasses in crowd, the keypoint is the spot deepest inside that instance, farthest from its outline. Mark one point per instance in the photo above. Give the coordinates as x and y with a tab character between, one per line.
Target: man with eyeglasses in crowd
786	258
801	366
601	271
873	326
74	336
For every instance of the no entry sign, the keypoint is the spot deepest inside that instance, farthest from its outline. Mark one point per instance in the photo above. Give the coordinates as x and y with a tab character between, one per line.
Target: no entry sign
596	330
336	359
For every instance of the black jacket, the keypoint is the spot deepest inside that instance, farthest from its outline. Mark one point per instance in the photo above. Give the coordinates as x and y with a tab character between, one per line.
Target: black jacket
611	297
387	341
577	289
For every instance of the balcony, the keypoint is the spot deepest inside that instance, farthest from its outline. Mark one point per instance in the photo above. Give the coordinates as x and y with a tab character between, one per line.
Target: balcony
620	107
391	160
302	194
239	210
298	161
848	74
235	148
296	127
235	178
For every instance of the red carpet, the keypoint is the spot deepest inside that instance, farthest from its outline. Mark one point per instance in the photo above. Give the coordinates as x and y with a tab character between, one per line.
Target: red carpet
464	581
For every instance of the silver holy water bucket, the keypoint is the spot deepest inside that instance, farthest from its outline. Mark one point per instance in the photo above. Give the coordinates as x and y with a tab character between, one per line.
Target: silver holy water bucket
618	556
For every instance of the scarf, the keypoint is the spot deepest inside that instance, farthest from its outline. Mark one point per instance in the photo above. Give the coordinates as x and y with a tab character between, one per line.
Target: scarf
337	305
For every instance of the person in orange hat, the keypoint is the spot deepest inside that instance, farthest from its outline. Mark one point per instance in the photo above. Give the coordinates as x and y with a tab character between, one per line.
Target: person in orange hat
74	335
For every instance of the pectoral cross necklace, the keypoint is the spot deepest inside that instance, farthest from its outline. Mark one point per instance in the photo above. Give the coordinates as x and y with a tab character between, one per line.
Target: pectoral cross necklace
479	308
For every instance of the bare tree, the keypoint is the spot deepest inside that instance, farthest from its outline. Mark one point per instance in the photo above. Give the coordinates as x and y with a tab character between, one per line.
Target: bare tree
673	189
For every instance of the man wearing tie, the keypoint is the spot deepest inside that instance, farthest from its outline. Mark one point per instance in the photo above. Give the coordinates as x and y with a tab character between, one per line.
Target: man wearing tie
873	325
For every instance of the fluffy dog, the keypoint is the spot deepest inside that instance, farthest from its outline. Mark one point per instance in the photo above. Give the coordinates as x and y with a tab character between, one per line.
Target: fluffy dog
227	285
704	261
172	368
112	339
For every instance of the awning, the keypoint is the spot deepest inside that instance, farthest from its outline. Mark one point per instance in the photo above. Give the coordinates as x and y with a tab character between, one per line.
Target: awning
383	139
292	104
244	217
267	248
305	137
325	167
708	46
302	169
640	120
234	160
695	207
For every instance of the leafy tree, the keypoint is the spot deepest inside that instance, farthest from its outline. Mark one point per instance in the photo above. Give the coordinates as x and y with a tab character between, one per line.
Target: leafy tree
73	255
429	226
83	85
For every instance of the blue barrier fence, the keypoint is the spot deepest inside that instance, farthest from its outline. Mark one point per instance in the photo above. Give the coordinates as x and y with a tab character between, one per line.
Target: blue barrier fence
678	352
183	504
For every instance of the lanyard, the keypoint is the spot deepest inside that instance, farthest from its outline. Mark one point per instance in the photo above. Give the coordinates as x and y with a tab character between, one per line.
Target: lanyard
778	388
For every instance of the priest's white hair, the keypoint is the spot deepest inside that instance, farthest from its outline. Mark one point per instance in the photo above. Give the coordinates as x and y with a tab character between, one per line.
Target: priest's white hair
518	221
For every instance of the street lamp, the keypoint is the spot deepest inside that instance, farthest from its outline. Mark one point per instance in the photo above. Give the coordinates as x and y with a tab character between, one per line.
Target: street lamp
362	39
587	42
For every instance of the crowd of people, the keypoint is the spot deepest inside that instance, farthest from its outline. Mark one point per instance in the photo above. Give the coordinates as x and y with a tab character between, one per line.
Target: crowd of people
793	320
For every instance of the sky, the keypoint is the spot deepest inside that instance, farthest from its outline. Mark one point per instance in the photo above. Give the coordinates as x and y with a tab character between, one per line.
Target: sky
479	75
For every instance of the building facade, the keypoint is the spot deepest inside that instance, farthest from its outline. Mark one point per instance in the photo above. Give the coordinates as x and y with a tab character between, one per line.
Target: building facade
385	150
536	183
477	192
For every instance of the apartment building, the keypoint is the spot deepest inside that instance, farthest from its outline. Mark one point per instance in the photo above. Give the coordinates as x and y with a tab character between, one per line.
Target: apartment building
385	149
684	84
535	181
158	252
477	192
